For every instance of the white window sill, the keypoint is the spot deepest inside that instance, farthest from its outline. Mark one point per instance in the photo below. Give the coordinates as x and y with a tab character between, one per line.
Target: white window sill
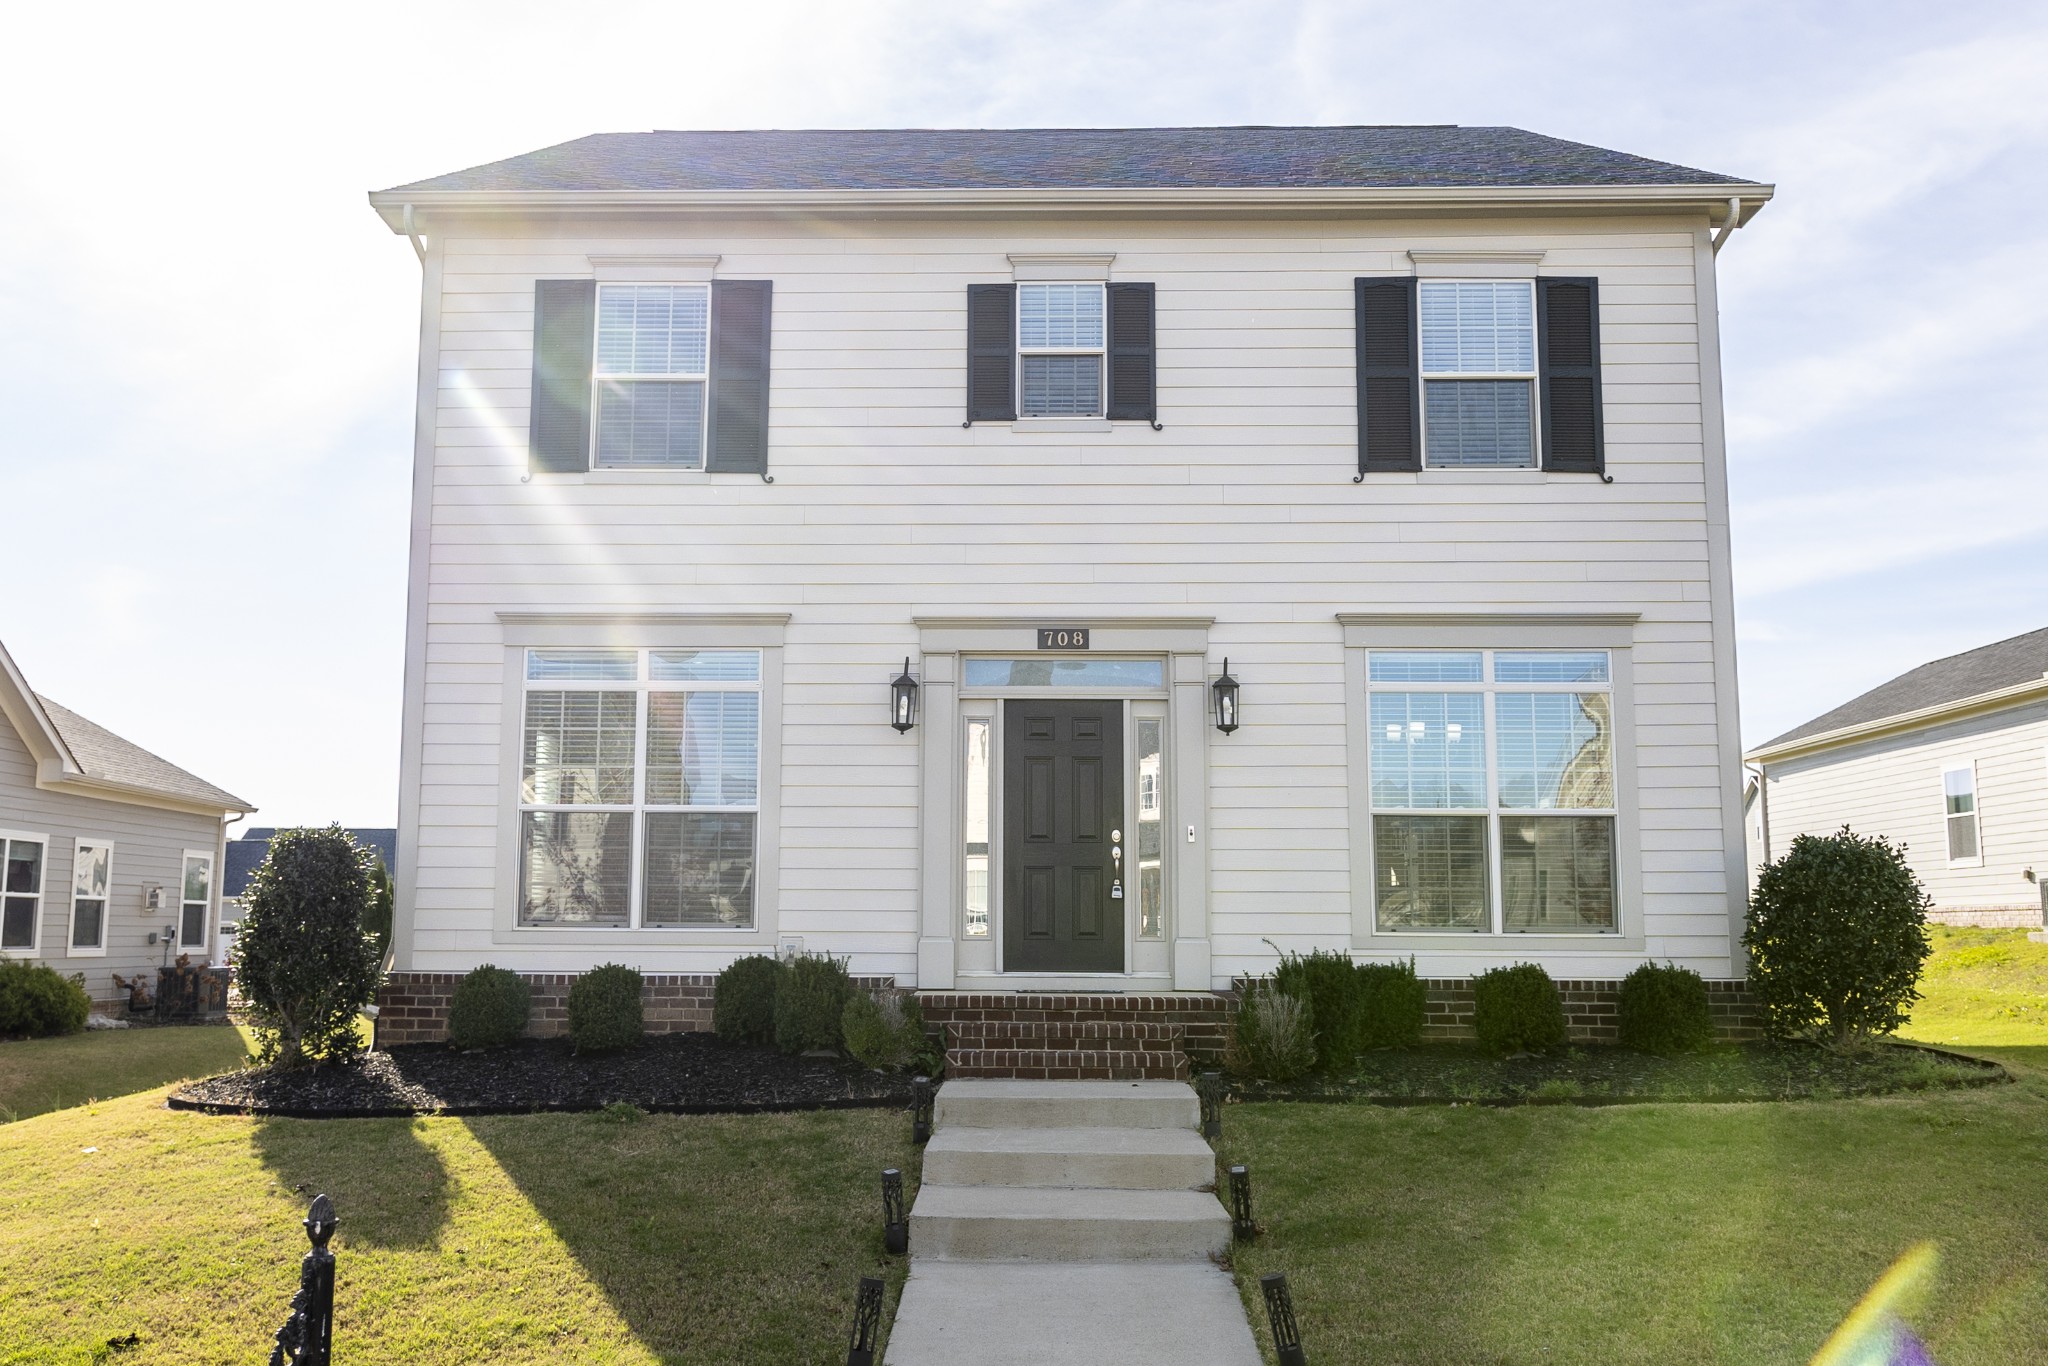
1443	476
1063	424
623	476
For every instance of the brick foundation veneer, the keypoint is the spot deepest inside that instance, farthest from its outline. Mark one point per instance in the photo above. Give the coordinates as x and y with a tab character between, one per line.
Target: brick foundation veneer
1056	1036
413	1006
1589	1010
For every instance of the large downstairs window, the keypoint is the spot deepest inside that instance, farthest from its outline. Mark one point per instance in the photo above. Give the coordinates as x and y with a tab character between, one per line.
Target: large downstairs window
639	788
1492	779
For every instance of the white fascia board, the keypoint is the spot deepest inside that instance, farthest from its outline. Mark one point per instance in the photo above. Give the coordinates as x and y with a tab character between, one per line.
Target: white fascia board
2030	691
19	703
1712	199
104	790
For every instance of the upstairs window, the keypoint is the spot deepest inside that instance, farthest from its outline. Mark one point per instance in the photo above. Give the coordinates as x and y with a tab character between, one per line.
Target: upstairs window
1959	811
653	370
1060	349
1478	373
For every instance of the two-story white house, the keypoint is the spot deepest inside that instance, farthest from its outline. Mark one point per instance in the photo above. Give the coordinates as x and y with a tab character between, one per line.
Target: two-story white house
838	540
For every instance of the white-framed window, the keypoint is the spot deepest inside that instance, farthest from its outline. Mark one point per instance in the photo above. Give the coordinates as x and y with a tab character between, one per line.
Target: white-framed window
639	788
1959	814
649	408
977	834
92	881
23	861
1492	782
1478	373
1061	336
1148	849
195	901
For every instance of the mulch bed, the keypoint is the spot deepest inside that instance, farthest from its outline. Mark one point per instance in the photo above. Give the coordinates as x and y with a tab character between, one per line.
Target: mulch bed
1447	1074
668	1074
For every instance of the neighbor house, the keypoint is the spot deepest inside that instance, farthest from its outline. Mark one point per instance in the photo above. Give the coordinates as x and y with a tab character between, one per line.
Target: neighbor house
1080	561
1949	760
111	853
248	850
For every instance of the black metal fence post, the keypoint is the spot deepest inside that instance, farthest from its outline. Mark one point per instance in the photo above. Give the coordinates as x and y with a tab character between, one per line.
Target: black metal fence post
307	1338
1242	1226
895	1224
1280	1313
867	1323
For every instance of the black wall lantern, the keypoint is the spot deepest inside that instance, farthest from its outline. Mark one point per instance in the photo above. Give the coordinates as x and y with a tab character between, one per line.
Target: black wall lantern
903	699
1225	689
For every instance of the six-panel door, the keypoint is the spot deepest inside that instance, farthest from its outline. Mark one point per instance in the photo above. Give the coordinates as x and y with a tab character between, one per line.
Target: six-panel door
1063	830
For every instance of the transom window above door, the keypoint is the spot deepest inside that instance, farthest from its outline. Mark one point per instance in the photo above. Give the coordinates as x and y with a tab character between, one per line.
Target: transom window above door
1061	342
1138	675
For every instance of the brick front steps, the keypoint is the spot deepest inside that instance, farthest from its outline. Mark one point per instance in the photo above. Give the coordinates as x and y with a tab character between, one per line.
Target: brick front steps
1057	1036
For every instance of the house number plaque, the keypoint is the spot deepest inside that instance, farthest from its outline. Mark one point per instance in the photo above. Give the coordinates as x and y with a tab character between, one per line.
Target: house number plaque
1062	637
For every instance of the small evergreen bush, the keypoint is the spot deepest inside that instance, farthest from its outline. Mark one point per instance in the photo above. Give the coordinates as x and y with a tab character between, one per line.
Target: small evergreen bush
743	1001
1664	1010
36	1001
885	1030
1391	1006
489	1009
1517	1010
302	960
378	914
1837	934
1272	1037
604	1009
810	1002
1329	982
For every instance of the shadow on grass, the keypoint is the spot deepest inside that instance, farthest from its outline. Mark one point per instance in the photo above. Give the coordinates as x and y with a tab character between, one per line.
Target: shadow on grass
390	1189
728	1238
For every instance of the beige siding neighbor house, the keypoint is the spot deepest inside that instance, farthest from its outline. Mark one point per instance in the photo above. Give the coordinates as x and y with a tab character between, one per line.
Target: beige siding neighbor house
730	444
1949	759
111	854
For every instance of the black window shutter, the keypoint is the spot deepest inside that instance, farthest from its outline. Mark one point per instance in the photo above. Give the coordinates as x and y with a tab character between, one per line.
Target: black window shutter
991	353
564	336
1568	351
740	311
1389	395
1133	354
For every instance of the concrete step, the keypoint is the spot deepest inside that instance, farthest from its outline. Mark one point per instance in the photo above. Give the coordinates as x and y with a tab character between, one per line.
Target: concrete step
1127	1314
1027	1224
1126	1159
994	1103
1042	1064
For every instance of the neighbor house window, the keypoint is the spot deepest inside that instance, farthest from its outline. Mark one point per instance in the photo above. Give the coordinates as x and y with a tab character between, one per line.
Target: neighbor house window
639	788
92	876
652	370
196	903
1492	782
1959	808
1059	350
1478	373
21	889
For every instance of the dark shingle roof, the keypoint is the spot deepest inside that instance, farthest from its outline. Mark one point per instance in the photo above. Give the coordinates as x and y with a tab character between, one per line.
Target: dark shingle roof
1369	157
248	851
1989	668
106	756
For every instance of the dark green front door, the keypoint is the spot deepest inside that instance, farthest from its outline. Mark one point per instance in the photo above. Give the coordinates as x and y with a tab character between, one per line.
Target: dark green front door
1063	829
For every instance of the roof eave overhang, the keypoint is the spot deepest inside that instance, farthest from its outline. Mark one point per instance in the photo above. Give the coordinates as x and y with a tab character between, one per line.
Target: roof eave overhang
1710	198
1959	710
108	790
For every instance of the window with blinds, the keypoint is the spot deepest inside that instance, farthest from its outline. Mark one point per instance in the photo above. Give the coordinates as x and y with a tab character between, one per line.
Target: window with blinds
1478	373
1959	813
653	371
1061	342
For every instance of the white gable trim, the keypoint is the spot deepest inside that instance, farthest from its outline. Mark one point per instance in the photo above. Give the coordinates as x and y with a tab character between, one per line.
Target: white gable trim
54	760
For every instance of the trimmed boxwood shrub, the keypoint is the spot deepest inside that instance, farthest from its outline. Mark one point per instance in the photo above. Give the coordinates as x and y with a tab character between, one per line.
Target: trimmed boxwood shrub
604	1009
1392	1002
489	1009
1664	1010
1329	982
1517	1010
302	960
885	1030
811	1002
743	1001
36	1001
1272	1036
1837	934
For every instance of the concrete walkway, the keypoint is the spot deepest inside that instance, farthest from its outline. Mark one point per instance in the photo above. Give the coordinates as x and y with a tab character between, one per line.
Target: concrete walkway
1063	1221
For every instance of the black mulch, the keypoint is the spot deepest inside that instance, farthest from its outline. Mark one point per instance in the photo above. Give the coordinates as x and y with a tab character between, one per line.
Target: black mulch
668	1073
1439	1074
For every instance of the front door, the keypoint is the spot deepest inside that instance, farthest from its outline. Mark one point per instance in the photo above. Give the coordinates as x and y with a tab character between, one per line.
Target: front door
1063	836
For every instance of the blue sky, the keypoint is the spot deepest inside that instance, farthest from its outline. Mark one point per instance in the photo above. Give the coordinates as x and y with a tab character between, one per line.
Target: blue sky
206	339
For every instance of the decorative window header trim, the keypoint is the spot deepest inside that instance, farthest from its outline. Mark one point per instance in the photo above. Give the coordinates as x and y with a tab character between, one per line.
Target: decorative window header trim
667	269
636	630
1064	265
1487	265
1506	630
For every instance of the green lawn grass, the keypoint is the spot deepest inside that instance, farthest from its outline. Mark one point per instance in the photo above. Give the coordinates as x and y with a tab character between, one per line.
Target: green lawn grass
40	1075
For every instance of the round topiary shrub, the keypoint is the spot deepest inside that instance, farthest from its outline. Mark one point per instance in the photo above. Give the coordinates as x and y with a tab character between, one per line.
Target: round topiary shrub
302	960
1392	1002
37	1001
1837	934
810	1003
1664	1010
743	1001
1329	982
489	1009
1272	1036
885	1030
604	1009
1517	1010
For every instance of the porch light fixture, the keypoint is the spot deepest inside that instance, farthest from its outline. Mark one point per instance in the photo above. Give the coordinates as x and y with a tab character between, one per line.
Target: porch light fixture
895	1225
1225	689
903	699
